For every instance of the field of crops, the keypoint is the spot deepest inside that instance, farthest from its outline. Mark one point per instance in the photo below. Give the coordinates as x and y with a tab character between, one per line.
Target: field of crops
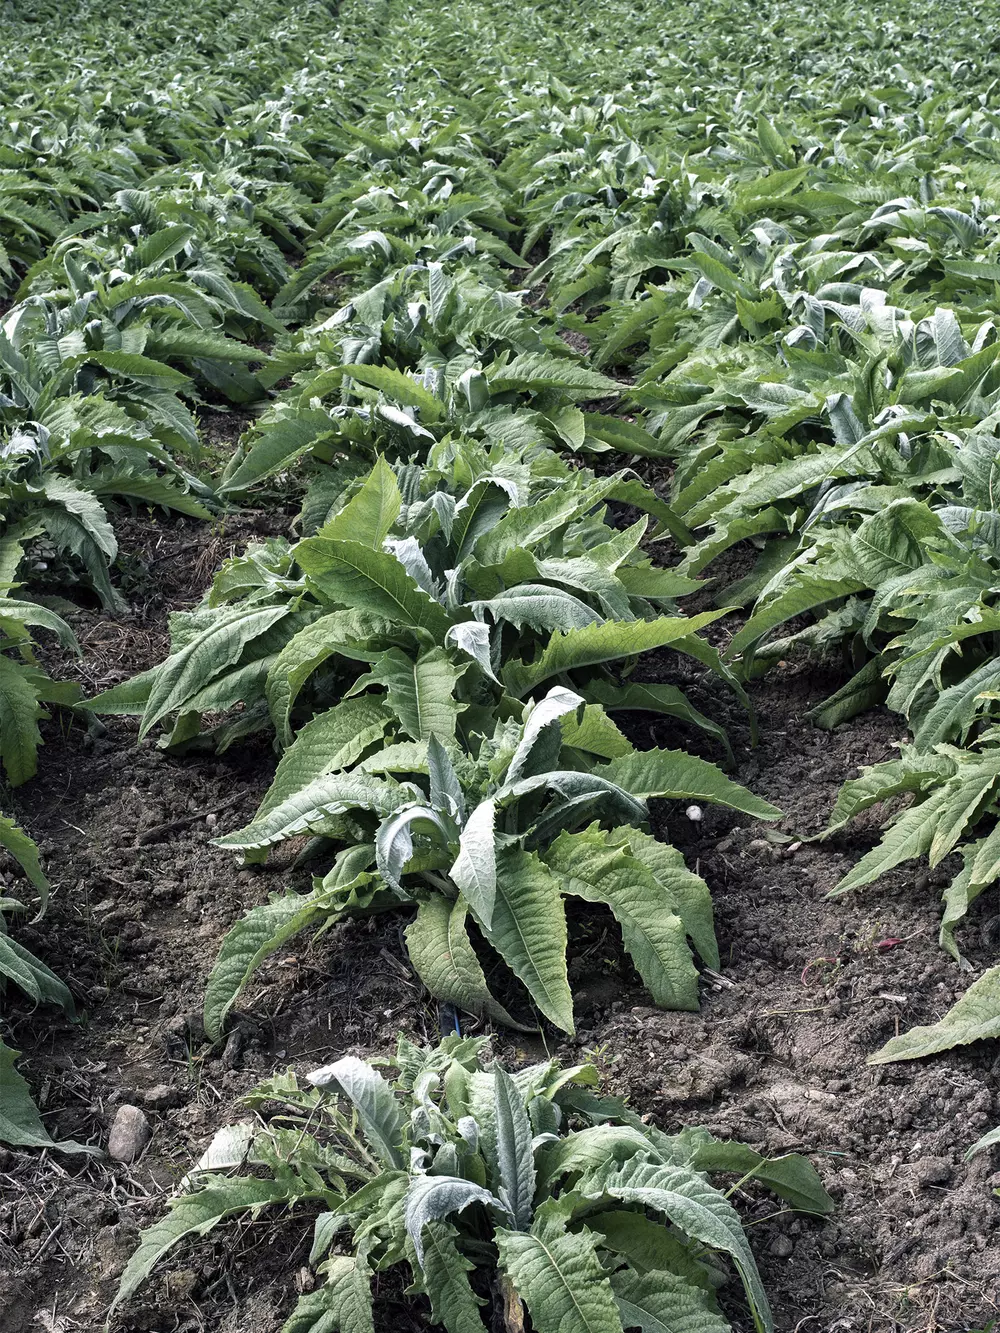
500	667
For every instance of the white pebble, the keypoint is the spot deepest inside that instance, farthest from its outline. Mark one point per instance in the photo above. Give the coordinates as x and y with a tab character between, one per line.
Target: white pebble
693	813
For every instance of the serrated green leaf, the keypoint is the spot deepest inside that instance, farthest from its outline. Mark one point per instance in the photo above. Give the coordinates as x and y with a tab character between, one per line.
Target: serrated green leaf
351	573
665	699
515	1155
202	659
880	782
809	591
162	245
954	710
279	444
20	712
687	892
431	1198
559	1277
588	1148
394	847
987	1141
528	931
372	1097
148	490
976	1017
695	1208
652	932
20	1124
329	742
403	757
25	852
537	370
663	1302
474	871
421	691
913	832
537	748
257	935
194	1215
445	1271
352	634
129	698
625	436
648	502
30	613
595	733
142	369
369	515
651	1247
540	608
773	145
442	955
792	1177
399	388
864	690
596	644
719	275
306	810
19	965
676	775
343	1304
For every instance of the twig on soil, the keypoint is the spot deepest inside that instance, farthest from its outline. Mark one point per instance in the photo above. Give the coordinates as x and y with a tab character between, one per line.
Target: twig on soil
756	1222
718	979
785	1013
399	967
48	1242
821	1008
948	1271
159	831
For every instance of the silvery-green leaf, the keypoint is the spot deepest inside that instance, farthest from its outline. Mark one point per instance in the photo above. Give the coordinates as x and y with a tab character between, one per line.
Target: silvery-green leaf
514	1149
556	704
378	1110
394	841
445	788
432	1197
474	871
473	637
407	551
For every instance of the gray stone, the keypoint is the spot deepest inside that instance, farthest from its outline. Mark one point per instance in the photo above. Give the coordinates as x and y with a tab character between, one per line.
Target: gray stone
130	1133
162	1097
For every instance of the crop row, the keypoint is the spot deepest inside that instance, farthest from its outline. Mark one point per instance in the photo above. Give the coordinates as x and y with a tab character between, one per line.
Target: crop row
784	286
154	195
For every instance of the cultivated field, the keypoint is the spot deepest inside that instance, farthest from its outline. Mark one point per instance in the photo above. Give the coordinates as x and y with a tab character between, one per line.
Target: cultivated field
500	667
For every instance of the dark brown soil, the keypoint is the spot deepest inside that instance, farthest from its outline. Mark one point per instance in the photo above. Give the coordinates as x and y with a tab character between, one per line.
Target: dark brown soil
809	988
776	1058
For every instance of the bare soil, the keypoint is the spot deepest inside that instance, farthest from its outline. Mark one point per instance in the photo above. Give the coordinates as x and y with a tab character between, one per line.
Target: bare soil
777	1056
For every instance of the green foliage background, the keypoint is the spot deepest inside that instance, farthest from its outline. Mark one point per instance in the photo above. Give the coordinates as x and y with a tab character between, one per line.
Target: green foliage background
434	252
